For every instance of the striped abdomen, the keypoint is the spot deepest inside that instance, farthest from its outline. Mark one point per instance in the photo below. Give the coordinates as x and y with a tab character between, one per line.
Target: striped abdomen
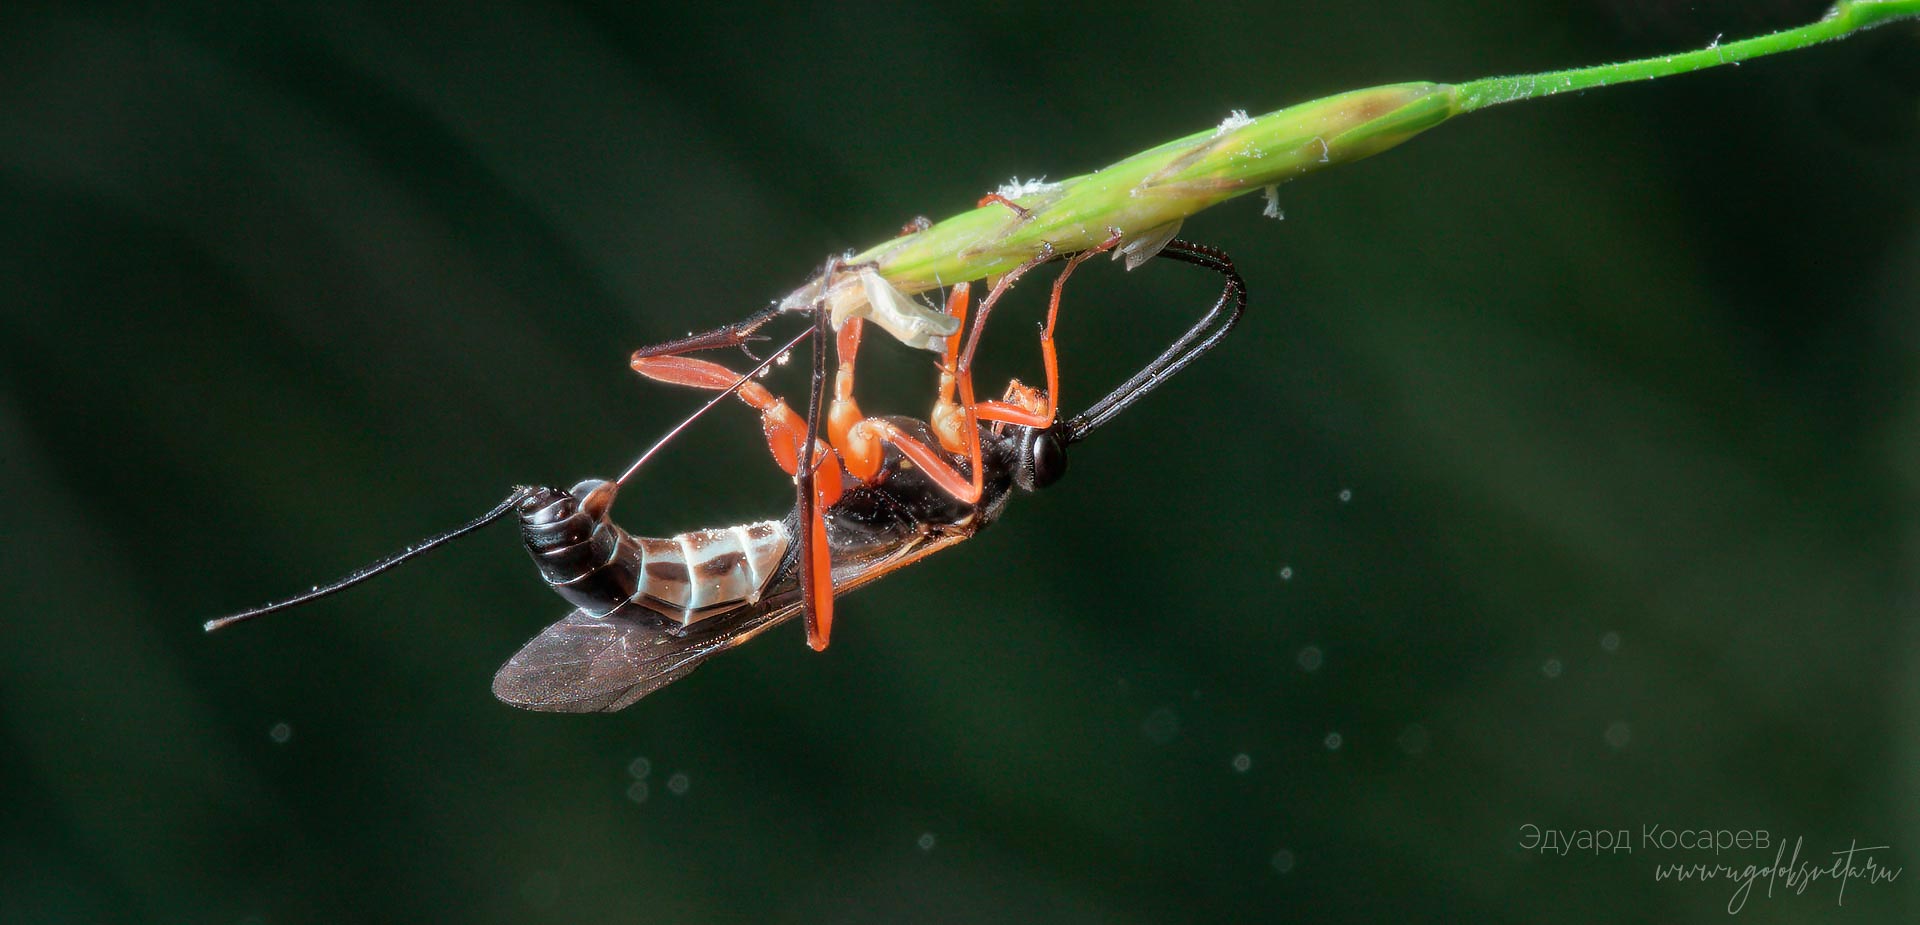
601	568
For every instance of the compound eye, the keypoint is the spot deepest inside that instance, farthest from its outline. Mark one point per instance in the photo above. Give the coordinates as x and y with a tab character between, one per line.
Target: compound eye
1049	459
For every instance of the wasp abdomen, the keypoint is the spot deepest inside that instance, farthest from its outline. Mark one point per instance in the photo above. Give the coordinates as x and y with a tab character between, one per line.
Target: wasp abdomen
692	575
600	568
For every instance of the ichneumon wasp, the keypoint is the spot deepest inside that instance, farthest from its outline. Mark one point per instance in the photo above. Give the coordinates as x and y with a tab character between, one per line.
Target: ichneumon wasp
883	493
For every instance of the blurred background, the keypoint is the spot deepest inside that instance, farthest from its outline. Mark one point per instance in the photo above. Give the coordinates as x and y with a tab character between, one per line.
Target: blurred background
1563	473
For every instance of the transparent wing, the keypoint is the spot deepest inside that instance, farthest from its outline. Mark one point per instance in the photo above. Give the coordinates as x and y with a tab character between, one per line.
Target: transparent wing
588	664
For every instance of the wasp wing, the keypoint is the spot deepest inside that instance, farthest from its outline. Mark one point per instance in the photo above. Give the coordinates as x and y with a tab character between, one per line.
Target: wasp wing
588	664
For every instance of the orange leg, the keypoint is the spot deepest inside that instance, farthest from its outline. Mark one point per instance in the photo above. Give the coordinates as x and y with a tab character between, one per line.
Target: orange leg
785	429
993	298
818	561
1026	410
956	422
953	422
860	440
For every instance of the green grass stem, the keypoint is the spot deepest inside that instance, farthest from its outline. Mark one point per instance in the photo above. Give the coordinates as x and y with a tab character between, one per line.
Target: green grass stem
1145	197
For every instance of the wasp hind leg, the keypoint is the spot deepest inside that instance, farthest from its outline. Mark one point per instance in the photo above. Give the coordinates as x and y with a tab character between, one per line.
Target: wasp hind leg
1023	406
861	441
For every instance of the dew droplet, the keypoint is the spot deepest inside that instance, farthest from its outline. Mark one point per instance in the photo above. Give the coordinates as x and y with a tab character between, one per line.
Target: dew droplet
925	841
639	768
1161	726
1243	762
1610	642
638	791
1310	659
281	733
1333	741
1413	740
1282	861
678	784
1619	734
1551	668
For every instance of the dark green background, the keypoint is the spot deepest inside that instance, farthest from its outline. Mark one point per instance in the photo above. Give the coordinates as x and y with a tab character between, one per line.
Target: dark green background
289	285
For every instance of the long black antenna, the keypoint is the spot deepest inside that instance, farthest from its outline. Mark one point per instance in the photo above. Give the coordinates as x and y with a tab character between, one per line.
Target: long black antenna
1189	347
368	571
499	510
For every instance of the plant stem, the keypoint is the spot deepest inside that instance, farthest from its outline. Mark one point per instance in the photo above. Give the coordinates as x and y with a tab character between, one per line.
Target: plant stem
1144	197
1846	18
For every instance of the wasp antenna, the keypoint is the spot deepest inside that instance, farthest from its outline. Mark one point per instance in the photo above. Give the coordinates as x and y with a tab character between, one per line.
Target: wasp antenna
716	399
500	510
362	574
1189	347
